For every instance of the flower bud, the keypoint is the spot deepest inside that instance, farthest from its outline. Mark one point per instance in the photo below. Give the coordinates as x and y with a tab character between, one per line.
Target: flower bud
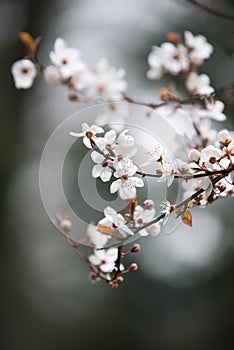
224	138
133	267
149	204
194	155
136	248
66	225
52	75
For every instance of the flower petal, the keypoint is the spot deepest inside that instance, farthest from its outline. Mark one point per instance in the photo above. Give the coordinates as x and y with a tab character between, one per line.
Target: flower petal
115	186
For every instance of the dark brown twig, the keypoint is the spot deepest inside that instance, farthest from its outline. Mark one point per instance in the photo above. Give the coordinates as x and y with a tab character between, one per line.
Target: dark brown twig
212	10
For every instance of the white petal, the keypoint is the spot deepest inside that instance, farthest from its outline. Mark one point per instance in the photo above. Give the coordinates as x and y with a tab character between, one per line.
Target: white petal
96	129
94	259
143	233
97	157
125	230
87	142
110	213
85	127
96	171
108	267
112	254
76	134
106	174
115	186
127	192
136	181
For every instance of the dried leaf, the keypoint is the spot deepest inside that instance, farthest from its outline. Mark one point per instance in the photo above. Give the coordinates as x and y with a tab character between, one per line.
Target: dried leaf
106	230
188	218
30	44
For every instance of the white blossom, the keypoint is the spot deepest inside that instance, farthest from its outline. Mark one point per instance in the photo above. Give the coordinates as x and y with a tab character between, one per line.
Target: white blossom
194	185
125	145
115	220
167	58
88	133
67	59
106	143
101	169
199	84
105	83
209	157
213	110
126	186
194	155
200	49
24	72
105	259
52	75
143	215
224	137
96	238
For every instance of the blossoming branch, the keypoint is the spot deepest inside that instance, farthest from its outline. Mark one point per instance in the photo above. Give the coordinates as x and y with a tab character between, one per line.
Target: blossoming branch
207	172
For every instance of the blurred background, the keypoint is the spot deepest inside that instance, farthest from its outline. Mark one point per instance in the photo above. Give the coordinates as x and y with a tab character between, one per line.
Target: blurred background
183	295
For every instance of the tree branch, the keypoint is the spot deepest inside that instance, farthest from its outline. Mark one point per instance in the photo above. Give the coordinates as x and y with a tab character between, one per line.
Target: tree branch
212	10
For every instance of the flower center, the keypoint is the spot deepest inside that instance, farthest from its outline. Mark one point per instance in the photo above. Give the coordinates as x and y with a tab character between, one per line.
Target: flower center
101	89
89	134
24	70
124	177
212	160
64	61
105	163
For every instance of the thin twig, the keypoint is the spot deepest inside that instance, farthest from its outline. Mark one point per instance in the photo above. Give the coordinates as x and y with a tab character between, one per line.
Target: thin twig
188	177
212	10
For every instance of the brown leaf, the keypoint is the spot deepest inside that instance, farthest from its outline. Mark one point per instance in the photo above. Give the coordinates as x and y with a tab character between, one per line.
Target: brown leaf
30	44
106	230
188	218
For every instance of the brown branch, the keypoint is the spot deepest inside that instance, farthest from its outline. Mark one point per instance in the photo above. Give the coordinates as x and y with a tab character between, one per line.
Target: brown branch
212	10
188	177
188	100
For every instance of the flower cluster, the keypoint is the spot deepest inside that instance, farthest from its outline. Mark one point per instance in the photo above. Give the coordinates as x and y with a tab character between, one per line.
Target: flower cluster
99	83
112	155
207	172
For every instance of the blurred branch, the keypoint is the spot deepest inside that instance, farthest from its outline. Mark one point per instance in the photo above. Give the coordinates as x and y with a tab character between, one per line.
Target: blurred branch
212	10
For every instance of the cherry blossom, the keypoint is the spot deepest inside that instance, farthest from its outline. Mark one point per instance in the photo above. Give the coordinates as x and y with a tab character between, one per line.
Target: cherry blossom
143	215
199	48
24	72
199	84
224	138
167	58
116	221
52	75
105	83
88	133
105	259
67	59
194	185
125	145
102	168
210	156
96	238
214	110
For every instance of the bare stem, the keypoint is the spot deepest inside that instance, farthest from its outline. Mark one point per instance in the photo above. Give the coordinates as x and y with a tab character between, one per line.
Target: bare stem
212	10
188	177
